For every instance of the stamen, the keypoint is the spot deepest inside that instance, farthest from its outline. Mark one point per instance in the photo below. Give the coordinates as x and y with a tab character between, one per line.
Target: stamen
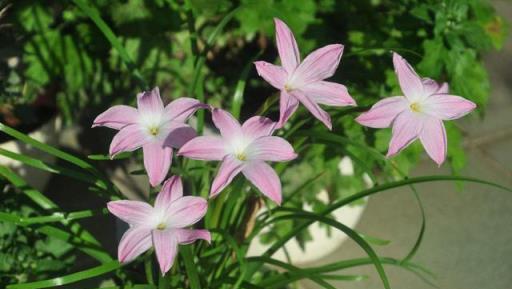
415	107
161	226
153	131
241	156
288	88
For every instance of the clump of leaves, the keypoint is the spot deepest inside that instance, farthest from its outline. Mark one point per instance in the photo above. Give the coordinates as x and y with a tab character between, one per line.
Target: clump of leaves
26	255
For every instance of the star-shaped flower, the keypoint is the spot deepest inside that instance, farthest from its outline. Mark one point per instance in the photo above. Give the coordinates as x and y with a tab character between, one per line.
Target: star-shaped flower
417	114
304	82
162	226
155	128
242	149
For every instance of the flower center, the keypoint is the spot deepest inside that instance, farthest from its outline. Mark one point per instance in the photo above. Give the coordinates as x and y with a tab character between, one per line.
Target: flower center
241	156
415	107
288	87
161	226
154	130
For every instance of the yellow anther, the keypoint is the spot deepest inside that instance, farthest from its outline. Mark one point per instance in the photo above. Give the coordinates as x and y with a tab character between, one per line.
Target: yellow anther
241	156
287	87
415	107
161	226
153	130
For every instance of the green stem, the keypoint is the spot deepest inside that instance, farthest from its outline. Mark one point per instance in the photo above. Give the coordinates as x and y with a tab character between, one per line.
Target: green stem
163	283
148	268
188	259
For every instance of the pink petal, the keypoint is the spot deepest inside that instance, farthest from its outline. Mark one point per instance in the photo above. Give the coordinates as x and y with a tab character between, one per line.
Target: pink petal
129	138
206	148
314	108
410	82
228	126
273	74
188	236
186	211
171	190
258	126
406	128
116	117
286	46
287	106
131	212
432	87
166	248
229	168
444	89
134	242
265	179
328	93
433	138
447	107
178	134
318	65
383	112
149	102
271	148
182	108
157	161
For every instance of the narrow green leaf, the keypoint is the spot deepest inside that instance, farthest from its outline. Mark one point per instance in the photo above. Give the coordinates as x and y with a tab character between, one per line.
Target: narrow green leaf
94	15
238	252
237	99
92	250
55	169
71	278
339	265
344	277
60	217
417	244
47	204
137	286
188	259
293	274
33	194
374	240
296	213
55	152
374	190
363	194
199	63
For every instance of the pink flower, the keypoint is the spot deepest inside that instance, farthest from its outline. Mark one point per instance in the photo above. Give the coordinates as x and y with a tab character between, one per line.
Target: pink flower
155	128
242	149
418	114
304	82
162	226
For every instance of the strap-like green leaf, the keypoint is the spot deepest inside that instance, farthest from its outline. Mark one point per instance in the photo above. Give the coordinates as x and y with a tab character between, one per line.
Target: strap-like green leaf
300	214
71	278
47	204
54	169
57	153
188	259
46	148
93	14
60	217
237	99
363	194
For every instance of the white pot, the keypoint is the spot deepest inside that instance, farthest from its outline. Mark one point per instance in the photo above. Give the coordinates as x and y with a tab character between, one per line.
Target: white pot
48	134
323	243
